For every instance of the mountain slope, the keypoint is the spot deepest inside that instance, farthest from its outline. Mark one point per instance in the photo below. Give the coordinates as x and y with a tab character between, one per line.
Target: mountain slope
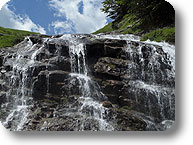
130	25
127	25
150	19
10	37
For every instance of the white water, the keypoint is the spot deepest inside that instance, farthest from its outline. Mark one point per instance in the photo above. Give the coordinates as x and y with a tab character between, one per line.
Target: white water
161	92
168	49
128	37
25	58
90	108
21	97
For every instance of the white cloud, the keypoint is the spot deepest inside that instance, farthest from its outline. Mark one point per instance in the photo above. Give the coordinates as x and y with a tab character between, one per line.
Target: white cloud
62	27
89	21
9	19
2	2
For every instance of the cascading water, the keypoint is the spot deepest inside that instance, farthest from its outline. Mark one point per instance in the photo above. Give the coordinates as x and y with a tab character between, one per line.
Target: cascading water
38	67
90	108
19	95
151	78
154	80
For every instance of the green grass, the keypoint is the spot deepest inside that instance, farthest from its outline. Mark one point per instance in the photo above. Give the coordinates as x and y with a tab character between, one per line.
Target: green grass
11	37
129	25
164	34
107	28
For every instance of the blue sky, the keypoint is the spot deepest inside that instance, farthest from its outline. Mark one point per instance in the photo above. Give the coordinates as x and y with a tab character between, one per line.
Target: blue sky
53	16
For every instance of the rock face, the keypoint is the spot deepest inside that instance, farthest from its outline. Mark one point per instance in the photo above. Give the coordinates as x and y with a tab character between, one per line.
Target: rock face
87	82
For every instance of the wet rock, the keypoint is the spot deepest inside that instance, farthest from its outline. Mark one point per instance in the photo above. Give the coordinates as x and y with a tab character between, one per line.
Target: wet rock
1	60
58	47
35	70
107	104
152	101
113	98
2	97
127	121
124	101
56	81
116	69
40	85
72	86
132	82
36	39
115	43
95	49
49	82
106	69
61	63
114	48
111	86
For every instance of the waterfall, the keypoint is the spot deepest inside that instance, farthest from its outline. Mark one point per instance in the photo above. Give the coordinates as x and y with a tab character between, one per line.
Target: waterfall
21	83
90	108
20	92
153	80
150	78
62	79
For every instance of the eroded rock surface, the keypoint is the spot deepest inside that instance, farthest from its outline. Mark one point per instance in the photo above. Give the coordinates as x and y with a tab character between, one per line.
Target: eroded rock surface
86	82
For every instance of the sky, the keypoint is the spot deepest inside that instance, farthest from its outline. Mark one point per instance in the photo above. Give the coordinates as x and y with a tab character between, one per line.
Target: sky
53	16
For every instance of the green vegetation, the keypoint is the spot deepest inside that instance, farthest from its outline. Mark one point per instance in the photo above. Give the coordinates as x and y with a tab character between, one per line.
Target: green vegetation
152	19
11	37
150	13
165	34
127	25
107	28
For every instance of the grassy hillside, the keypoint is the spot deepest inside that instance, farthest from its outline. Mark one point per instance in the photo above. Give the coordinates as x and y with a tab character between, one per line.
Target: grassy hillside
127	25
164	34
130	25
10	37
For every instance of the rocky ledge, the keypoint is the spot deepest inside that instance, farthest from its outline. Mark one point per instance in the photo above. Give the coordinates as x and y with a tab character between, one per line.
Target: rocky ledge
136	82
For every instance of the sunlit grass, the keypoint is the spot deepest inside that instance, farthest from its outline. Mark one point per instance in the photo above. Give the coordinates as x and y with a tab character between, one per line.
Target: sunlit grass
10	37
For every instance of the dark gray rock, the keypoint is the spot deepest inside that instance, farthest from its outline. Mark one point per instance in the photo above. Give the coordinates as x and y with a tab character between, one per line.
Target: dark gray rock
56	81
134	85
1	60
2	97
61	63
